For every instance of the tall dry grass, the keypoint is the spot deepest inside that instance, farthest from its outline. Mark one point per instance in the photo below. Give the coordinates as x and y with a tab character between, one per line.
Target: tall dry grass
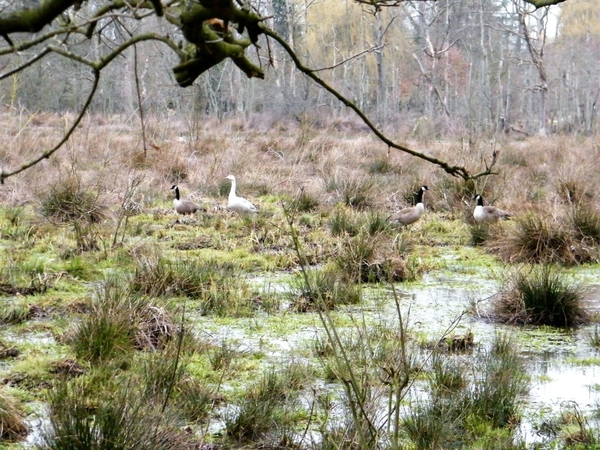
321	160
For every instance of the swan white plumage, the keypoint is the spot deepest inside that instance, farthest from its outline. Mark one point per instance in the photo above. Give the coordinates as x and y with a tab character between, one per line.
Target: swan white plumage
238	204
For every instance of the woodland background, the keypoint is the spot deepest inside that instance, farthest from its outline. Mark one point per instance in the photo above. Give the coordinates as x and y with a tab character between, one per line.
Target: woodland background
423	69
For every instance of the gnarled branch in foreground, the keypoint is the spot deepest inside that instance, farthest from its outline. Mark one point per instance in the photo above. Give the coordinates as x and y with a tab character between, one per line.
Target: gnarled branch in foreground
457	171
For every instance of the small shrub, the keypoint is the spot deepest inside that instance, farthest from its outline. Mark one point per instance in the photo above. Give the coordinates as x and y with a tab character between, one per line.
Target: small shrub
541	296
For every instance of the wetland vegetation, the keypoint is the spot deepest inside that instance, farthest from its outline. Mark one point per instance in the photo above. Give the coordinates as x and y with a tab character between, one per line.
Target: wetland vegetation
313	324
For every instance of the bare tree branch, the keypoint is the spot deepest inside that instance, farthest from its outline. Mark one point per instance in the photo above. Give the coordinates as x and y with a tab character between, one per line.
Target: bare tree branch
32	20
32	43
457	171
357	55
27	63
65	138
541	3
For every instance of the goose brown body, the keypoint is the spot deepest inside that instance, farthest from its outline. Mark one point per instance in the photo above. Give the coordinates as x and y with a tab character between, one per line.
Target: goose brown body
487	213
406	216
183	206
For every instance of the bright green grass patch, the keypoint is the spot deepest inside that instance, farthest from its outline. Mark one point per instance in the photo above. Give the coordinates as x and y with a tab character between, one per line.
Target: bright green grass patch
589	361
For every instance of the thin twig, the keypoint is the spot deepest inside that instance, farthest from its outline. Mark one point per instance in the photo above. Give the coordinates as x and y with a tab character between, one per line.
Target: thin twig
65	138
368	50
25	64
457	171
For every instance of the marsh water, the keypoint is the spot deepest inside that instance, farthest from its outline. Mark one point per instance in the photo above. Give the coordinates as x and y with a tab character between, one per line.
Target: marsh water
562	364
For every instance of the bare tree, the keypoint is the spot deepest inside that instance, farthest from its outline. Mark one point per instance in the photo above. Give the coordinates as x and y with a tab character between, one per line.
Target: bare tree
534	32
201	34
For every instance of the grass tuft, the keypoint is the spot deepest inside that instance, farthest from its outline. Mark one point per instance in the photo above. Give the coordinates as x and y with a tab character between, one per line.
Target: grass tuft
463	409
541	296
117	418
586	222
356	193
541	239
117	323
268	404
325	290
373	259
12	419
218	286
67	202
304	202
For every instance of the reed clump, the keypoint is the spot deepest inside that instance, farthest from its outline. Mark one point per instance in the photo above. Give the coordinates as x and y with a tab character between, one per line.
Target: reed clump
539	238
476	401
320	289
12	418
117	323
541	295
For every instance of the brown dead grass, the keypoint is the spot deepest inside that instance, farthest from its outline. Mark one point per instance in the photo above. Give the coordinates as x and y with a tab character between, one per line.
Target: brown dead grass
107	152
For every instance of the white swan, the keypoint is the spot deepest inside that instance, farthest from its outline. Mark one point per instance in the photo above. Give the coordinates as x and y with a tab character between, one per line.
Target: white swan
238	204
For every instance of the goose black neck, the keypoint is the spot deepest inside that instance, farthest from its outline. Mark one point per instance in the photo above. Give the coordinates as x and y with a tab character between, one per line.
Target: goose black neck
479	200
176	193
420	196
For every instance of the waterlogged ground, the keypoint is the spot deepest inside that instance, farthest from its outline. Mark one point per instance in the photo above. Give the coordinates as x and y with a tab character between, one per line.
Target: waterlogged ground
453	298
563	366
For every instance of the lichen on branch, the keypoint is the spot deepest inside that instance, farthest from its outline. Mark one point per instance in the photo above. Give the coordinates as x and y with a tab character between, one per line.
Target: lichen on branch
208	26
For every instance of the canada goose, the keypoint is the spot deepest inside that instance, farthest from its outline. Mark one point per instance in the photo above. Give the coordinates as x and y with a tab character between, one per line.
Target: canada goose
183	206
238	204
406	216
487	213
